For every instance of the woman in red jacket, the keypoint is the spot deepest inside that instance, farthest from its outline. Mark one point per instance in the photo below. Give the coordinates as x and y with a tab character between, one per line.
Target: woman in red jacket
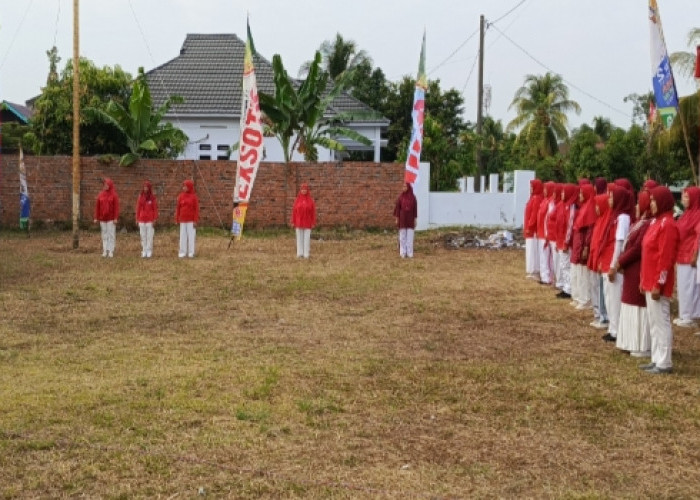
187	215
532	256
565	230
107	214
303	220
406	213
600	314
542	243
146	215
688	289
659	251
583	229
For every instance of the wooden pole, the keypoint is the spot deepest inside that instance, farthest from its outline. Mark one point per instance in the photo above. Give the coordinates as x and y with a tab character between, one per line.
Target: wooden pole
480	106
687	146
76	125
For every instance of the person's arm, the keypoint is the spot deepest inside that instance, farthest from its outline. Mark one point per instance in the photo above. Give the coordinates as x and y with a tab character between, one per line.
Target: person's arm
668	250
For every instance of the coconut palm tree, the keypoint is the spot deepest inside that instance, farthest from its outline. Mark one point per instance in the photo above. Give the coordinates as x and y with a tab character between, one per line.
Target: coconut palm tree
684	62
338	56
542	104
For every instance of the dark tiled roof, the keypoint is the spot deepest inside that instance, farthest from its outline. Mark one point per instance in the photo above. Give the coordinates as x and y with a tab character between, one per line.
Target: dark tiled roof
208	74
23	113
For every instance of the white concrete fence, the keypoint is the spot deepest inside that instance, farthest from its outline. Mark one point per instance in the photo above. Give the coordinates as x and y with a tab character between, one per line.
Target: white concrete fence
490	207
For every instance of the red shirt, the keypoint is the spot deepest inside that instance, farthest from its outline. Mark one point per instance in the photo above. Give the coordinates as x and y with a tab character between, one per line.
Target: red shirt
146	207
107	204
304	211
187	208
659	251
532	208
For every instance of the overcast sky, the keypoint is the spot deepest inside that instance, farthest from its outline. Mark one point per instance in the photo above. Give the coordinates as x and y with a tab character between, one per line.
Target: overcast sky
600	47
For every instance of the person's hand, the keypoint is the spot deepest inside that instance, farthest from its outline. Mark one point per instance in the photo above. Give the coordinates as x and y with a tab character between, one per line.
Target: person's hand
116	221
584	253
94	221
655	294
611	274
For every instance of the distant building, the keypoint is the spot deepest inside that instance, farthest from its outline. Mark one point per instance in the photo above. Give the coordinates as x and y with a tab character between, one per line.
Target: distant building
208	75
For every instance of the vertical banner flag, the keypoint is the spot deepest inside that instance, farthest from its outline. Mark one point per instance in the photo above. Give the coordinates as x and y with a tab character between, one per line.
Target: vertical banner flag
663	83
24	204
416	143
250	144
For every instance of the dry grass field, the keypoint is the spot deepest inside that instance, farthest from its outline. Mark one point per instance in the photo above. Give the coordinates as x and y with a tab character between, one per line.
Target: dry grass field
246	373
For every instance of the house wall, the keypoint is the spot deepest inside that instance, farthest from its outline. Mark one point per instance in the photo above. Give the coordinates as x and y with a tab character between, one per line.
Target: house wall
206	135
357	195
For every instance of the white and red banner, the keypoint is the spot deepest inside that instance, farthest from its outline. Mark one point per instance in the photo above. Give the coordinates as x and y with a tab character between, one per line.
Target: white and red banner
418	114
250	145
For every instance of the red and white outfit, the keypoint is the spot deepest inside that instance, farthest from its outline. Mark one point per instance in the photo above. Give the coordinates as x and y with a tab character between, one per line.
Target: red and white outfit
659	250
600	315
583	232
187	215
633	330
304	220
686	283
565	233
551	234
542	243
107	214
146	215
406	213
532	255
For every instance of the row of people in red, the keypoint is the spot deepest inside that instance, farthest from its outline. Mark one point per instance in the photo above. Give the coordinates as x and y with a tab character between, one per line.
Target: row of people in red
186	215
616	257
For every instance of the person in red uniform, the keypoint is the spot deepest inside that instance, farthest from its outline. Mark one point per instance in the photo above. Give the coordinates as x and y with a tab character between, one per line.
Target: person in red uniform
187	215
659	251
146	215
583	230
406	213
688	289
600	314
633	328
566	214
542	243
555	204
107	214
532	256
304	220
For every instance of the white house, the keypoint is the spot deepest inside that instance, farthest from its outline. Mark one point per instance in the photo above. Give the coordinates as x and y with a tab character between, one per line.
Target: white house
208	76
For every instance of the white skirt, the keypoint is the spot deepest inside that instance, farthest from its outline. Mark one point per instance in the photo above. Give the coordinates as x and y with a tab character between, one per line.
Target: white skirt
633	329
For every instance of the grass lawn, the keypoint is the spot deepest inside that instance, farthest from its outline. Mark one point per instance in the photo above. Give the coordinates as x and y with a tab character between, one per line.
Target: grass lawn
246	373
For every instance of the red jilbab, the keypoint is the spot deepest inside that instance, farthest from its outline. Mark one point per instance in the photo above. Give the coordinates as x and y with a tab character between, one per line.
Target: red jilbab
659	250
686	286
633	330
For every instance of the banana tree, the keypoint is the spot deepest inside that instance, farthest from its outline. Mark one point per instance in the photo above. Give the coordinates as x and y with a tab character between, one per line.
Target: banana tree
145	132
296	115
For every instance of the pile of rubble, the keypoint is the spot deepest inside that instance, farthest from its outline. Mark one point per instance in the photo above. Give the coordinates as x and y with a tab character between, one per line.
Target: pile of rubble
476	238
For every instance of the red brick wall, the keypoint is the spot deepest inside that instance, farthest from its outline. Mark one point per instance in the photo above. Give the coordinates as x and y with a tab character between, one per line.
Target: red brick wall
357	195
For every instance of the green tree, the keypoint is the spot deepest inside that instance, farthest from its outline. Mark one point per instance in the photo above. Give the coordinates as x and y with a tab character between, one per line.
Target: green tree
640	107
146	134
339	55
542	104
52	124
369	85
296	115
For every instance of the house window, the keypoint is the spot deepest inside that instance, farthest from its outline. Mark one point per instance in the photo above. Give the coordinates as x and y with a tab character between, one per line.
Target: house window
205	147
223	152
205	157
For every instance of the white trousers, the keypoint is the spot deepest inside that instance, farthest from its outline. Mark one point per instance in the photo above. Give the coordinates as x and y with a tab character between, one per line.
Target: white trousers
556	269
545	260
406	242
188	236
146	230
576	277
585	284
660	330
303	242
613	301
108	230
565	271
532	257
688	292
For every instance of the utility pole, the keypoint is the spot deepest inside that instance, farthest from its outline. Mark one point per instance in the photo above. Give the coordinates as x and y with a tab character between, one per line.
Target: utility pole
76	125
480	106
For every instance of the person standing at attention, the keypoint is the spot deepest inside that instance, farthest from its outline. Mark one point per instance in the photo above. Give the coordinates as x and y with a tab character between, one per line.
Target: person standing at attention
187	215
107	214
304	220
406	213
146	215
532	256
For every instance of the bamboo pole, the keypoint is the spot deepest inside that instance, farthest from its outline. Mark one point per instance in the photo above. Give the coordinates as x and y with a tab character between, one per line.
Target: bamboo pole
76	125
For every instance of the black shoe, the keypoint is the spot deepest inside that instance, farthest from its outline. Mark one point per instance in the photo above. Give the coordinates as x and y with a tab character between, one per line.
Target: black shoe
609	338
563	295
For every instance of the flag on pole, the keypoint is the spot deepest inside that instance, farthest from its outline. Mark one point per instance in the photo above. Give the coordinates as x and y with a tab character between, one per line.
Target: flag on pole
664	85
250	144
416	143
24	203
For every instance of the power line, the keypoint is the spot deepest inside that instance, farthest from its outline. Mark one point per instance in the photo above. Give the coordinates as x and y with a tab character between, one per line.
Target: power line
570	84
14	37
58	17
509	12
